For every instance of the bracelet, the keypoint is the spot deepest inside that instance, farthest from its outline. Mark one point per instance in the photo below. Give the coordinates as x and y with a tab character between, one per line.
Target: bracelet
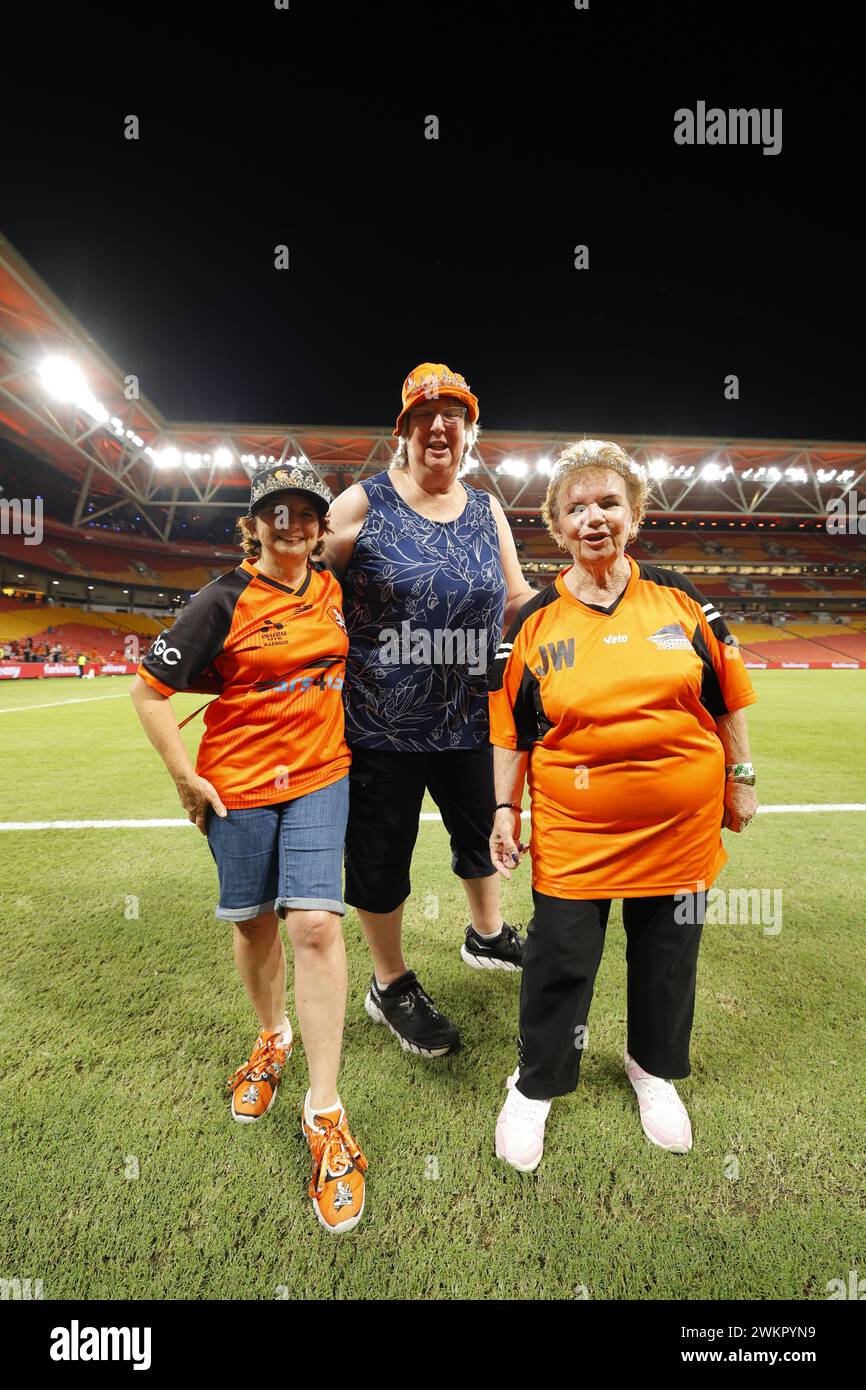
506	805
738	772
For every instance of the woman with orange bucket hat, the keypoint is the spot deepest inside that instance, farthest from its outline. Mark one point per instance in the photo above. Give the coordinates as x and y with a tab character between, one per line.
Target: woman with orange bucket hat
429	570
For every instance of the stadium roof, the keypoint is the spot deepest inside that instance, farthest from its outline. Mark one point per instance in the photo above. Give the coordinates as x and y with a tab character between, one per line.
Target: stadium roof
63	399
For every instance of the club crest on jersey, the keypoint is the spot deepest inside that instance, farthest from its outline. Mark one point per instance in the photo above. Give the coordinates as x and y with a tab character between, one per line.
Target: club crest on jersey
671	638
338	618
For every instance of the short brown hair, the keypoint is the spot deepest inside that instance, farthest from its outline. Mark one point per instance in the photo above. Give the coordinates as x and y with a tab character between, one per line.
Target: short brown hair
597	455
246	538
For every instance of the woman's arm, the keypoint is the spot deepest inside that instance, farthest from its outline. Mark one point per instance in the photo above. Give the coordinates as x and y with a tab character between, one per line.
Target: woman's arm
347	515
518	591
741	803
159	723
509	774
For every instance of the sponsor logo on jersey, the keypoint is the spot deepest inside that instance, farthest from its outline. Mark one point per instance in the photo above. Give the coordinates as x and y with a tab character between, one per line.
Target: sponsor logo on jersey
338	618
615	637
169	656
671	638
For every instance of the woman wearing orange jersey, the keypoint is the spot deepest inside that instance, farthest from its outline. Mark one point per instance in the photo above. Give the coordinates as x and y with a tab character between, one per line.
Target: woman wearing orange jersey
270	791
622	692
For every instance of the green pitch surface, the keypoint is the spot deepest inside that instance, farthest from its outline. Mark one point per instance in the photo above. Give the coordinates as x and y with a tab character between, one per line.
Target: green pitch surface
123	1175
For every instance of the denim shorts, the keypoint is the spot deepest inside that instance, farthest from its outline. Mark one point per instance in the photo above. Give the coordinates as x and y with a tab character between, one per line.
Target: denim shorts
281	857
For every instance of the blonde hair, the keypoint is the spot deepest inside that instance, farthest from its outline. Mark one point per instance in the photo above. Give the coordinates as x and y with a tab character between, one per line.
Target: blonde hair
597	455
246	538
400	457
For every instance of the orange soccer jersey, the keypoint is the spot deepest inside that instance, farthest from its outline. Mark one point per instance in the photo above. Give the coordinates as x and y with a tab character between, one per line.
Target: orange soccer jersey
618	712
277	656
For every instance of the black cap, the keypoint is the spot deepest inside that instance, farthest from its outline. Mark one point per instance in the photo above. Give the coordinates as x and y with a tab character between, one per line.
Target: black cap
293	477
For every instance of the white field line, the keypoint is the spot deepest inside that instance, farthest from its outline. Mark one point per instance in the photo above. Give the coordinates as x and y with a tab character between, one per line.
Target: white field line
76	700
166	824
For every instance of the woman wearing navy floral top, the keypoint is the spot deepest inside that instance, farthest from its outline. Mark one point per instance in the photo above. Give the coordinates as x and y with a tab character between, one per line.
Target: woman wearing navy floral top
430	573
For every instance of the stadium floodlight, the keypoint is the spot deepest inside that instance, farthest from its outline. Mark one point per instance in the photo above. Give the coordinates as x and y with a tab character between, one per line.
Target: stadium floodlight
117	422
62	378
514	467
223	457
545	466
470	463
168	457
92	407
747	474
774	474
659	468
262	458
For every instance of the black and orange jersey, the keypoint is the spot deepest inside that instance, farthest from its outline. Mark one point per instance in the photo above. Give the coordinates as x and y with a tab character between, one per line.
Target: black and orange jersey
618	711
277	657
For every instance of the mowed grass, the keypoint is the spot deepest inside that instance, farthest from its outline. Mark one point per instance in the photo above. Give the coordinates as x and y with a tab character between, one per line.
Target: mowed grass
123	1175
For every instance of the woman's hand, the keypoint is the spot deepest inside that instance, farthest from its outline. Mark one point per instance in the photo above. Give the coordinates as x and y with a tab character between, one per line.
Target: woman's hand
506	849
195	796
741	803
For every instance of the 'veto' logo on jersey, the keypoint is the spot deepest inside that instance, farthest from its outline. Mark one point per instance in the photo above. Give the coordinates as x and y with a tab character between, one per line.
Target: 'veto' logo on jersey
671	638
557	655
615	637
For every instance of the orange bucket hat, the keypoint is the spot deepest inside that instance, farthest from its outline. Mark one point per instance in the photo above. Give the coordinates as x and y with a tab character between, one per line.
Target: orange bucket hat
431	380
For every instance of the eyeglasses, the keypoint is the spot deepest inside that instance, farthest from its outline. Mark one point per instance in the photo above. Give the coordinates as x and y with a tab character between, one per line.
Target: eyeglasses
425	415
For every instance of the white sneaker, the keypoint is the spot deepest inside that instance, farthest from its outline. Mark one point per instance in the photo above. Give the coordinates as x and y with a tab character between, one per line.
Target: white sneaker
520	1128
664	1118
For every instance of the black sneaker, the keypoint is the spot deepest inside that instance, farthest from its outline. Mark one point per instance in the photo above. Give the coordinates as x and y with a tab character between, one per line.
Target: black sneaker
505	953
412	1017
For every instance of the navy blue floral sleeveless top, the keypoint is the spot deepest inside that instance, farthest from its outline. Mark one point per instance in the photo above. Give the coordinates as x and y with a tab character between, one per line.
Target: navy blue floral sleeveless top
423	602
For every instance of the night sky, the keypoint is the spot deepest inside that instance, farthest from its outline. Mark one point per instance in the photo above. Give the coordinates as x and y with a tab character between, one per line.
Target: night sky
261	127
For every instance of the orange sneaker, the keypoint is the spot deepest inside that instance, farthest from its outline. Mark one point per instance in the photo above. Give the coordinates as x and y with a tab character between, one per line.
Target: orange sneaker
254	1085
337	1185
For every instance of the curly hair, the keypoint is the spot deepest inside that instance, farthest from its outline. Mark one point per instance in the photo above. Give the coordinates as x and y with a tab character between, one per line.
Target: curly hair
246	538
597	455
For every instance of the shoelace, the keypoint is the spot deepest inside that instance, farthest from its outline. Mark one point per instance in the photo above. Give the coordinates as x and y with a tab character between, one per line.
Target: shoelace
335	1149
262	1060
415	992
658	1089
524	1111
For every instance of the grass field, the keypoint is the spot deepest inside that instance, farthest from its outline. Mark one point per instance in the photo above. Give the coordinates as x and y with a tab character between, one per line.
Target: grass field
123	1175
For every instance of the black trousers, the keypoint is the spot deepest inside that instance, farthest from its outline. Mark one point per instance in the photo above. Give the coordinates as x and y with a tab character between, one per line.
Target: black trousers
564	942
385	794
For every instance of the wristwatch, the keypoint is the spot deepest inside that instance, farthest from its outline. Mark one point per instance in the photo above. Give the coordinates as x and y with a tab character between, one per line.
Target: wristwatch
740	772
